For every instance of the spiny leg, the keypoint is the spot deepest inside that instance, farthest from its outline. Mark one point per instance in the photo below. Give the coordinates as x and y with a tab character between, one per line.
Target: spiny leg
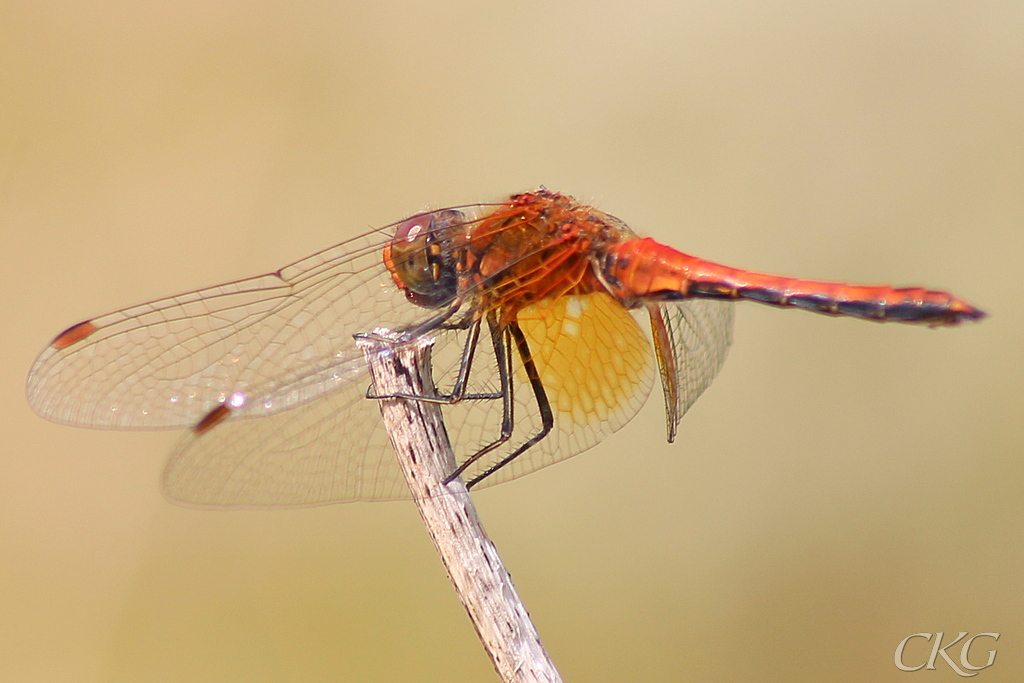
458	392
503	355
547	417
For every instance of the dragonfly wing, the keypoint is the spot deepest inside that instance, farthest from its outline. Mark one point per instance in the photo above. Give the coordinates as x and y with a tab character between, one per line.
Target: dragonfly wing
697	336
597	368
333	449
261	345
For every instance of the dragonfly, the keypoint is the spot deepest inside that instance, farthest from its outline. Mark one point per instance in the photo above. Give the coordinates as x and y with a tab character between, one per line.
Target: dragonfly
550	319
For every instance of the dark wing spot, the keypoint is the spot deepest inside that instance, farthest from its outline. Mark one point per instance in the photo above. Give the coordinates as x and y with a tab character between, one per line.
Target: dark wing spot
212	419
73	334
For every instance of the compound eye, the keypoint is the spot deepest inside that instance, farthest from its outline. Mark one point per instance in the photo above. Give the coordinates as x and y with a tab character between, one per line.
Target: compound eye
410	259
421	257
415	229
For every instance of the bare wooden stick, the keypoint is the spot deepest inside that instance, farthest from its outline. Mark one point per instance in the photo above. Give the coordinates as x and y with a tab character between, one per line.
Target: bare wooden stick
421	443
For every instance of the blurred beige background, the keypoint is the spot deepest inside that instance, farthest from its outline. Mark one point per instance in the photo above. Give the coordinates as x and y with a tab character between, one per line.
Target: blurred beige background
841	486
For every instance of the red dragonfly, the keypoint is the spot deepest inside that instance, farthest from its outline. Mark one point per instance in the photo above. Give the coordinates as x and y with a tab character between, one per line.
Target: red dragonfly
558	288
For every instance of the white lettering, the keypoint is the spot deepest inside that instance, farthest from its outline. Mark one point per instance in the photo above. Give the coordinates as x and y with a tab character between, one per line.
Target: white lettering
967	648
899	652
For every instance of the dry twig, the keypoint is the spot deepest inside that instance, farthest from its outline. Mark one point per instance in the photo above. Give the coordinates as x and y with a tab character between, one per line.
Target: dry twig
421	443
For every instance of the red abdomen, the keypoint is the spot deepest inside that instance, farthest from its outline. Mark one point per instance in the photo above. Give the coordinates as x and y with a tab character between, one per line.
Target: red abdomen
644	270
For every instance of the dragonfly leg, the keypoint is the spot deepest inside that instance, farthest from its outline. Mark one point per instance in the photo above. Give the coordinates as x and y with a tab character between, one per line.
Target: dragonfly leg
547	417
433	323
403	336
463	323
458	392
503	355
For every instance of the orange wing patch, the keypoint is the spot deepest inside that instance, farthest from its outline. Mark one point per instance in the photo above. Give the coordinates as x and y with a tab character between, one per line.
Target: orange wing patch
592	356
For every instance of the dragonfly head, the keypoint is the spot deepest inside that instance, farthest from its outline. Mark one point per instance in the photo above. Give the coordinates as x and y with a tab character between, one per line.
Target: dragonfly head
423	257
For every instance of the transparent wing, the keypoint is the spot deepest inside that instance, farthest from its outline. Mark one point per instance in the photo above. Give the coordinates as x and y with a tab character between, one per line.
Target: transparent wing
594	360
333	449
259	345
699	336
